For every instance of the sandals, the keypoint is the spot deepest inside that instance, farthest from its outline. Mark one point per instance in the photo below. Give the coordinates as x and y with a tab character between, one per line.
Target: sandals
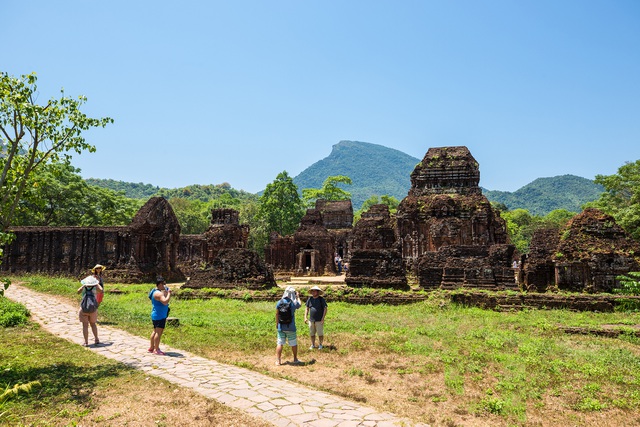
159	352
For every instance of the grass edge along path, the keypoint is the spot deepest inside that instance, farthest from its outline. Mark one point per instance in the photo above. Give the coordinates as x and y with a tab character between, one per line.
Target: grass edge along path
277	401
503	368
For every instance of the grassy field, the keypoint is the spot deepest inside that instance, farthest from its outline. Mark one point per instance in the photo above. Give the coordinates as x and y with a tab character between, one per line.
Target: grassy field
432	361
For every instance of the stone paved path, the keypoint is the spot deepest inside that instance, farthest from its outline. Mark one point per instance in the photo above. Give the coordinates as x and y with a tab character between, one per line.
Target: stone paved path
280	402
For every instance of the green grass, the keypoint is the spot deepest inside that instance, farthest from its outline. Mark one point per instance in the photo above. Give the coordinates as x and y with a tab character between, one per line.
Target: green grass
62	375
518	358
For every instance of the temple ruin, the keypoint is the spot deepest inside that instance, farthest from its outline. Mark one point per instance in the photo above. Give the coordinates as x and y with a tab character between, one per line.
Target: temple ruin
135	253
586	256
444	235
220	258
324	232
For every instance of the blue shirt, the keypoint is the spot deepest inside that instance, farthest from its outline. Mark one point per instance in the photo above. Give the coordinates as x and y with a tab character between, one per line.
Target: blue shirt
159	310
294	306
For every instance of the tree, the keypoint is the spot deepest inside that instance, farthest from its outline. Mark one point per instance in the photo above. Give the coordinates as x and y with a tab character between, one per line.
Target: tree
280	206
56	195
390	201
329	191
32	135
621	198
194	216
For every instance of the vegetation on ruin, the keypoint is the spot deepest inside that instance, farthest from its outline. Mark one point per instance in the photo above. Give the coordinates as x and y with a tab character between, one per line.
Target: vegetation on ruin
390	201
432	361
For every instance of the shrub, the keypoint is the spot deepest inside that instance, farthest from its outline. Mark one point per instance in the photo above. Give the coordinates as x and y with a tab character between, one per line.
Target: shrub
12	313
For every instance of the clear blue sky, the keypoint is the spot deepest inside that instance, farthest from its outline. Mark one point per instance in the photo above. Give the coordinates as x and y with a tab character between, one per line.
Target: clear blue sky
206	92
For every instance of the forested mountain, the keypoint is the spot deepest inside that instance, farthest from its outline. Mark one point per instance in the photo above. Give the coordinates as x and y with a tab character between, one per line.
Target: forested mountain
543	195
374	170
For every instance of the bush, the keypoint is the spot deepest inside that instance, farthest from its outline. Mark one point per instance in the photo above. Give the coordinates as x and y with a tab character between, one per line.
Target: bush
12	313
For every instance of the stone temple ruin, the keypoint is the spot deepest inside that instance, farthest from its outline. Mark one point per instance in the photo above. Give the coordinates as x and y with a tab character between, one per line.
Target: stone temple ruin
444	235
135	253
586	256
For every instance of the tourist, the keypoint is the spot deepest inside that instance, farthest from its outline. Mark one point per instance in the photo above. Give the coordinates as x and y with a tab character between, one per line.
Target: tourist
338	261
97	273
159	296
88	314
314	314
286	323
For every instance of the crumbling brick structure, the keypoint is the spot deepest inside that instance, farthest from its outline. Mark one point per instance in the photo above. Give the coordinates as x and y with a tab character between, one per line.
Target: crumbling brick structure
224	232
219	257
323	232
448	232
537	270
586	256
376	260
138	252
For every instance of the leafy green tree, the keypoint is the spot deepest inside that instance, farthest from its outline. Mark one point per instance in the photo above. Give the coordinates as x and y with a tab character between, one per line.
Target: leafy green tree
329	191
621	198
280	206
520	227
557	218
56	195
258	228
194	216
32	135
390	201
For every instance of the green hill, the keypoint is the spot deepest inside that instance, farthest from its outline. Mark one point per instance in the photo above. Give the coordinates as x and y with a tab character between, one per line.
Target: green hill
543	195
374	170
203	193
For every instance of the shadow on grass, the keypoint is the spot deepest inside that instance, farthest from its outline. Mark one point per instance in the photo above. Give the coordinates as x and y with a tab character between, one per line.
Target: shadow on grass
62	382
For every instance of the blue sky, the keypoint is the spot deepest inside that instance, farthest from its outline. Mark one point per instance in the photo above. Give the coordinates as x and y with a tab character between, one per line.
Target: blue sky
206	92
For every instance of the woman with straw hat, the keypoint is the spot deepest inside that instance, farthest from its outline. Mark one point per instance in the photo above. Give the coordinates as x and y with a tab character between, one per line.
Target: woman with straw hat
97	273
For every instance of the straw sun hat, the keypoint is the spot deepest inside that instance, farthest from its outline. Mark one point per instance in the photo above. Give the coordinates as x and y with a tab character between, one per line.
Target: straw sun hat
97	266
316	288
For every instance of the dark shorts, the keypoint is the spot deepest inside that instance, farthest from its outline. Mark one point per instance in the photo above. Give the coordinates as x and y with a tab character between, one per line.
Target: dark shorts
159	323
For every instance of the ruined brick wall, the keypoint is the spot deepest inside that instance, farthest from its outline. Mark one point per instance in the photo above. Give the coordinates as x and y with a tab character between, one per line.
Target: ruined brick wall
538	269
311	249
377	268
66	250
138	252
481	267
280	253
224	232
375	230
592	251
335	214
232	267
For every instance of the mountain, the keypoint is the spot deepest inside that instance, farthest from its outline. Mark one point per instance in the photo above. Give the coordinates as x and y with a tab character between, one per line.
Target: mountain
373	169
543	195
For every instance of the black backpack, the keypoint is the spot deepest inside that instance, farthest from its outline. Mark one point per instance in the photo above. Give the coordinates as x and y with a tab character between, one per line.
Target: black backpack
89	303
285	313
